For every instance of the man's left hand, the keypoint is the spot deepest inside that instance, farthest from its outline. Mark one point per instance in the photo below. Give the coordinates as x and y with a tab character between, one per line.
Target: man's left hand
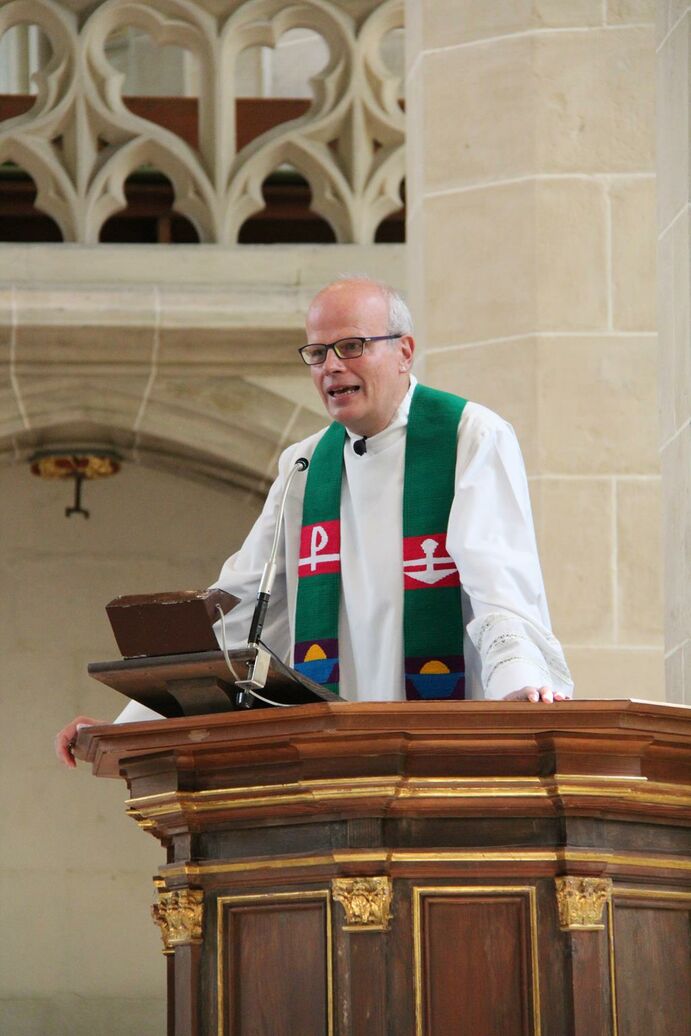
536	694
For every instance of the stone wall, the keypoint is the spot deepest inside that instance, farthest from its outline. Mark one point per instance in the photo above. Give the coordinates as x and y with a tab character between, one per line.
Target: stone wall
531	194
79	946
674	168
183	360
531	244
181	356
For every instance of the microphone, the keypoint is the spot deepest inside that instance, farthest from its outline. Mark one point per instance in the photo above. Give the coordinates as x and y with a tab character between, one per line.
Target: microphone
258	669
360	446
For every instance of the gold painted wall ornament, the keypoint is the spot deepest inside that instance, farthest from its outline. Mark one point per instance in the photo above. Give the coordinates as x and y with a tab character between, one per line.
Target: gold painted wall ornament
81	465
179	915
581	903
366	902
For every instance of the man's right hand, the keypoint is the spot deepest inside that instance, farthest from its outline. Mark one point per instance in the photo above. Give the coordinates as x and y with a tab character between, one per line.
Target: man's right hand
536	694
65	738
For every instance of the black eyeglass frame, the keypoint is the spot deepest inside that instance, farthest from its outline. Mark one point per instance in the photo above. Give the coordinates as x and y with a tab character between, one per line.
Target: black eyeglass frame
334	345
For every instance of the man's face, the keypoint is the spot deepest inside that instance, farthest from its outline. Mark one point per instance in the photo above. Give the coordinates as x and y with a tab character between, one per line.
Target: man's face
363	393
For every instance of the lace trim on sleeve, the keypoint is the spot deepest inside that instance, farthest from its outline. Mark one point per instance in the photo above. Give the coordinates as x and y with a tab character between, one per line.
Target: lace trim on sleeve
515	658
487	623
502	639
542	641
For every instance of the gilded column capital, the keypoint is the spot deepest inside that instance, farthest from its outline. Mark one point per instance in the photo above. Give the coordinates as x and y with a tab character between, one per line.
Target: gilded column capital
179	915
581	902
366	902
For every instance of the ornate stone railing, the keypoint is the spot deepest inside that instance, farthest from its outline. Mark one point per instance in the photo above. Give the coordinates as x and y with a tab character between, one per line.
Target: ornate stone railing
80	141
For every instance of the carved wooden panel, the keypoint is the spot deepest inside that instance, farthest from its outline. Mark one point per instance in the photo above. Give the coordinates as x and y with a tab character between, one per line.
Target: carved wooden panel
654	926
476	961
472	810
274	965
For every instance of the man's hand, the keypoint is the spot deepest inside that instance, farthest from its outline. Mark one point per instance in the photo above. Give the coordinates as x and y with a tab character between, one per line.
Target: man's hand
536	694
65	738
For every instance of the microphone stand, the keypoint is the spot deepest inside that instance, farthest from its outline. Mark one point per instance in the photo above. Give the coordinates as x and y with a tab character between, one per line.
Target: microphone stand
258	669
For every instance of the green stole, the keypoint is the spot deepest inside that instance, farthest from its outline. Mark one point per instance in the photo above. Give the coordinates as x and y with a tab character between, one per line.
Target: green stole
432	619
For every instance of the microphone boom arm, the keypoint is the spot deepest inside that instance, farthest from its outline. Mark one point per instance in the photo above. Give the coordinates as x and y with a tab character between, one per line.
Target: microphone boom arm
258	669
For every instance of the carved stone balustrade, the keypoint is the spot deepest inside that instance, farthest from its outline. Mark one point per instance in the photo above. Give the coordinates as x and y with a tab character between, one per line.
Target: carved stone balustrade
80	141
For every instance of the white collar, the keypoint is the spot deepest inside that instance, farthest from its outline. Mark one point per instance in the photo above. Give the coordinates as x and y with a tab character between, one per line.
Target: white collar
394	429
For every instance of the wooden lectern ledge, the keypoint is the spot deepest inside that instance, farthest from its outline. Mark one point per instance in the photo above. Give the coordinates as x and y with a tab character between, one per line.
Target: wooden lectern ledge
419	869
612	728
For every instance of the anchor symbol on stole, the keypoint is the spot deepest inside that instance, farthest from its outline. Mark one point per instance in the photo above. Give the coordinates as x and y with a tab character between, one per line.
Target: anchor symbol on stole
429	569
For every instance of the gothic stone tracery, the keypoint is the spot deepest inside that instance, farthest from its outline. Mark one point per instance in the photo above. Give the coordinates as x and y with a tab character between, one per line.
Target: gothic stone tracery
80	141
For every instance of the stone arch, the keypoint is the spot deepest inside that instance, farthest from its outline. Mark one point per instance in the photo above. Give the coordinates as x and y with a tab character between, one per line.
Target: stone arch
223	430
188	360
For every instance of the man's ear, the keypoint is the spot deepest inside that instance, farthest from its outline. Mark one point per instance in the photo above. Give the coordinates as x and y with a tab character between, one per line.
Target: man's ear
407	351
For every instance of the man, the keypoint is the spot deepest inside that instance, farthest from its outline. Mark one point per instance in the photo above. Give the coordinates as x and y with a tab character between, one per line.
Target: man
408	565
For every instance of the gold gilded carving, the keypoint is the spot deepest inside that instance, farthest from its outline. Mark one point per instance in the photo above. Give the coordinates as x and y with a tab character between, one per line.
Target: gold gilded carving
178	914
158	914
337	858
366	901
67	465
581	902
633	791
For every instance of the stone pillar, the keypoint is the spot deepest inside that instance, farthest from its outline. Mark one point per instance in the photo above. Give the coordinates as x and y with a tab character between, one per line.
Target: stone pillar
673	168
531	239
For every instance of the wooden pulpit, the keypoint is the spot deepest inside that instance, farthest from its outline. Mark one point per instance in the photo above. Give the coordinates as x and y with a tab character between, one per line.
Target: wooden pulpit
418	869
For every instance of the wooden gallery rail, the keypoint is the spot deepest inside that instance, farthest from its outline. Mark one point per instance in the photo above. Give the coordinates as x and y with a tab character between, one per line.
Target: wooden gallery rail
419	869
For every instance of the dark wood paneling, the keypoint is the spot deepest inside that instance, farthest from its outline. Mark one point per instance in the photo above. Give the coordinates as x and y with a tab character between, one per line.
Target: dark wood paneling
368	980
275	971
263	810
476	964
170	994
186	995
655	998
589	981
401	996
554	953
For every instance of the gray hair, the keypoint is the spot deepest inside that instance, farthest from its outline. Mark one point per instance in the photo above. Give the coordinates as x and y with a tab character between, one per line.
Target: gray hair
400	317
400	320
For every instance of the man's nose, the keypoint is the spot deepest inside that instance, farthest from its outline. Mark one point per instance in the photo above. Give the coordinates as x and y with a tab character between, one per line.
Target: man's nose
332	362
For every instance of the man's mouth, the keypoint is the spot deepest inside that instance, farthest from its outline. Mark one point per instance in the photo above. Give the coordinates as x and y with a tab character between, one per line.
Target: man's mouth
345	391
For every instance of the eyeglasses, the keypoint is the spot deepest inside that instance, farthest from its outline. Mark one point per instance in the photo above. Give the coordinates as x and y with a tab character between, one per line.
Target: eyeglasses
345	348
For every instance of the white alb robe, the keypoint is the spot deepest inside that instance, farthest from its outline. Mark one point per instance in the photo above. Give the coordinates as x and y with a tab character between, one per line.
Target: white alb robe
508	642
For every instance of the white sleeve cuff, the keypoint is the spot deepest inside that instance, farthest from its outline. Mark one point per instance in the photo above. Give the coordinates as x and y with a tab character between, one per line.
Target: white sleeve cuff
134	712
515	654
512	674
